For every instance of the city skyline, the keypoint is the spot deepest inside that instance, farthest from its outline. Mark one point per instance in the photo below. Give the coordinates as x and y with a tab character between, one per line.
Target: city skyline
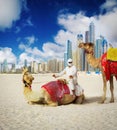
30	31
78	56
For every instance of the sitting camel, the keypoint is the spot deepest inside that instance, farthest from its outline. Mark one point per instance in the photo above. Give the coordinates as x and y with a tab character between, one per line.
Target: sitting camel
53	93
107	67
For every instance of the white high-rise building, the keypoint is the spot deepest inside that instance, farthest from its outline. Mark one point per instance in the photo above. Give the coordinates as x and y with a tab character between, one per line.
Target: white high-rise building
79	52
92	33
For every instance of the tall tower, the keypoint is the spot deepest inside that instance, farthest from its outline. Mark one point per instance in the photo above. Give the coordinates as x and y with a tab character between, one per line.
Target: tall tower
87	36
91	39
5	66
101	46
80	52
25	63
86	40
80	38
68	53
104	46
65	59
92	33
98	47
69	49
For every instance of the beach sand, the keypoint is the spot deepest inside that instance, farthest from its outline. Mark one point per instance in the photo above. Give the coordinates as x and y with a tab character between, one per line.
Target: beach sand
16	114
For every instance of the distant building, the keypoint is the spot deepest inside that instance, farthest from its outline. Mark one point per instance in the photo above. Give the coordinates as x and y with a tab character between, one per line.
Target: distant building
75	57
86	40
87	36
52	65
80	53
69	49
92	33
60	65
98	47
92	40
25	63
5	66
104	45
1	67
34	67
68	53
65	59
101	46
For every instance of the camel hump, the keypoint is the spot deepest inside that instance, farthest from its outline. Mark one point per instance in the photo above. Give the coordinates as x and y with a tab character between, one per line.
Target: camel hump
112	54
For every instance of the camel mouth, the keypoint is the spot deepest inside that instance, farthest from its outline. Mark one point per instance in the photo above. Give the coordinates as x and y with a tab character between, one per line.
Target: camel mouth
27	81
80	45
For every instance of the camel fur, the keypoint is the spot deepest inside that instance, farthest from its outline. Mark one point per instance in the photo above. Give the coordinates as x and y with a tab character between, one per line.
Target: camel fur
43	97
97	63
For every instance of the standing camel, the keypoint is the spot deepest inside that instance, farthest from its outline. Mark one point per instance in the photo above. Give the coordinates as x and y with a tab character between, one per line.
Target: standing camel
107	67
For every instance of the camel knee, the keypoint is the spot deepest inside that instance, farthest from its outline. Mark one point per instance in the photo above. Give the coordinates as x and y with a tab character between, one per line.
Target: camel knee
80	99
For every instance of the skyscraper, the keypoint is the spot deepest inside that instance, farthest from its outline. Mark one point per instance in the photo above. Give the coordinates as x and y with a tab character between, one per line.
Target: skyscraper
25	63
87	36
92	33
80	52
86	40
69	49
65	59
104	46
101	46
5	66
80	38
68	53
91	39
98	47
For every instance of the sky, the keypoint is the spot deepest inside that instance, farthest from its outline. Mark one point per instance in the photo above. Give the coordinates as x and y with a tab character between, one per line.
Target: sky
38	30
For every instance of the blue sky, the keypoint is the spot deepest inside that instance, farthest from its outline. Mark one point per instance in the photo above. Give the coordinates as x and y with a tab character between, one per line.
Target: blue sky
39	29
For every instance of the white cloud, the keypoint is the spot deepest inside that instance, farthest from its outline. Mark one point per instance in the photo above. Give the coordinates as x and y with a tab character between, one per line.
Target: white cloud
17	29
53	50
31	39
29	22
26	42
10	11
24	56
73	24
106	25
108	5
62	37
7	54
49	51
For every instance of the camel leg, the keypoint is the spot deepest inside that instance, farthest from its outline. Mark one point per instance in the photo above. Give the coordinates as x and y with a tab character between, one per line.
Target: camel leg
49	102
111	89
53	104
104	88
80	99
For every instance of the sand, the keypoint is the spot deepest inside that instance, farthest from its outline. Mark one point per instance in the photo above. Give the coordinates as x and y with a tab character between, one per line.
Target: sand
16	114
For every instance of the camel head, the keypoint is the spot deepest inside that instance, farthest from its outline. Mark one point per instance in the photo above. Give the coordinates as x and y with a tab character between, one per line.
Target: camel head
27	78
88	47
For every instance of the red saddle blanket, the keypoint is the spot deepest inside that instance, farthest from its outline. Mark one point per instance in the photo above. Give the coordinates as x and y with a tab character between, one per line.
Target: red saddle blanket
109	67
56	89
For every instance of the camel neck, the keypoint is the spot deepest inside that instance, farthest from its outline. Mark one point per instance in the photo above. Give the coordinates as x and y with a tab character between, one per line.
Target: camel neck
94	62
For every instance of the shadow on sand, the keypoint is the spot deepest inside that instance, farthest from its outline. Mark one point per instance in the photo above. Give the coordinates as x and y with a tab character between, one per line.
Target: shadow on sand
92	100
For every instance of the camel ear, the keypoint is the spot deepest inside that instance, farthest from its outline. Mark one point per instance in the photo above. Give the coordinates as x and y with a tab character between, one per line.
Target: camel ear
91	44
24	70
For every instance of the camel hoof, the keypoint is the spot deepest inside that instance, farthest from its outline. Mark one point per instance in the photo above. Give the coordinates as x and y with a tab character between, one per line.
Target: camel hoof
80	99
31	103
111	101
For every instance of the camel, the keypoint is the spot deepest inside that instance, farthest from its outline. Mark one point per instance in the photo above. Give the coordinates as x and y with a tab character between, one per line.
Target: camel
108	68
44	96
